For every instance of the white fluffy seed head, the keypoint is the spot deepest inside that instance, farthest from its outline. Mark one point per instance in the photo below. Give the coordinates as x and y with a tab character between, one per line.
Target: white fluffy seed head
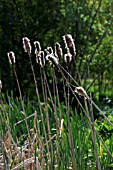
58	50
0	84
69	44
67	58
50	50
26	45
37	47
52	59
40	58
11	57
80	90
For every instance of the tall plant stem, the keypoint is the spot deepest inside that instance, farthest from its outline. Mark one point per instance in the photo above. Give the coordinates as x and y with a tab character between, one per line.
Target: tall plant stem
98	167
39	103
22	102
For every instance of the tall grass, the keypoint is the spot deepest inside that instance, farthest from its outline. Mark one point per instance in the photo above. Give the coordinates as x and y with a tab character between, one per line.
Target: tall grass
51	134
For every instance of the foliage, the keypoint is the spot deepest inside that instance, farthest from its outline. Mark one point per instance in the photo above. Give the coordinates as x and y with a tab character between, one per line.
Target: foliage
89	22
83	146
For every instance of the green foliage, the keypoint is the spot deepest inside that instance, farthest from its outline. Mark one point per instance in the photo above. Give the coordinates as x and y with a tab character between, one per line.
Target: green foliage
83	145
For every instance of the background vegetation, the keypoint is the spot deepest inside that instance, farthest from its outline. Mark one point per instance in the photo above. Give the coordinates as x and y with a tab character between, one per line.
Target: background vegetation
89	22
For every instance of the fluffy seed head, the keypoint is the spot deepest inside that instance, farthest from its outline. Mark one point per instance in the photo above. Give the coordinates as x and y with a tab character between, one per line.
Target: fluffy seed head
0	84
52	59
67	58
50	50
69	44
58	50
27	45
80	90
37	47
11	57
40	58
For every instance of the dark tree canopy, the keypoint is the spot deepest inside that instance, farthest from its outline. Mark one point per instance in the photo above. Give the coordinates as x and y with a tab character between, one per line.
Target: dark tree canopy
88	21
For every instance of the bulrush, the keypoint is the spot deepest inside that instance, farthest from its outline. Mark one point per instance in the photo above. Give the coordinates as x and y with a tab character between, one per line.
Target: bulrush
52	59
58	50
27	45
50	50
37	47
40	58
0	84
80	90
69	44
67	58
11	57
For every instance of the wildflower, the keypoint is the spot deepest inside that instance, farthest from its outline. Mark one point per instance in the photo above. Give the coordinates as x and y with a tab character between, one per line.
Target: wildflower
69	44
80	90
37	47
27	45
52	59
58	50
40	58
67	58
11	57
0	84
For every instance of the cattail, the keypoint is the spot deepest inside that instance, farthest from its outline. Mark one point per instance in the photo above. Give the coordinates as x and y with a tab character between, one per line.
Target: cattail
81	91
67	58
50	50
46	51
69	44
11	57
52	59
37	47
40	58
0	84
27	45
58	50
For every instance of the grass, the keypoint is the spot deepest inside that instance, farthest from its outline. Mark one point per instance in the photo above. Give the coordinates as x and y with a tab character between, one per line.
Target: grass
51	134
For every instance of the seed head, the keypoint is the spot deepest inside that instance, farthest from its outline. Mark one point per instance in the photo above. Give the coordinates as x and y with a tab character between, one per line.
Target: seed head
50	50
11	57
40	58
69	44
80	90
46	51
67	58
58	50
37	47
52	59
0	84
27	45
